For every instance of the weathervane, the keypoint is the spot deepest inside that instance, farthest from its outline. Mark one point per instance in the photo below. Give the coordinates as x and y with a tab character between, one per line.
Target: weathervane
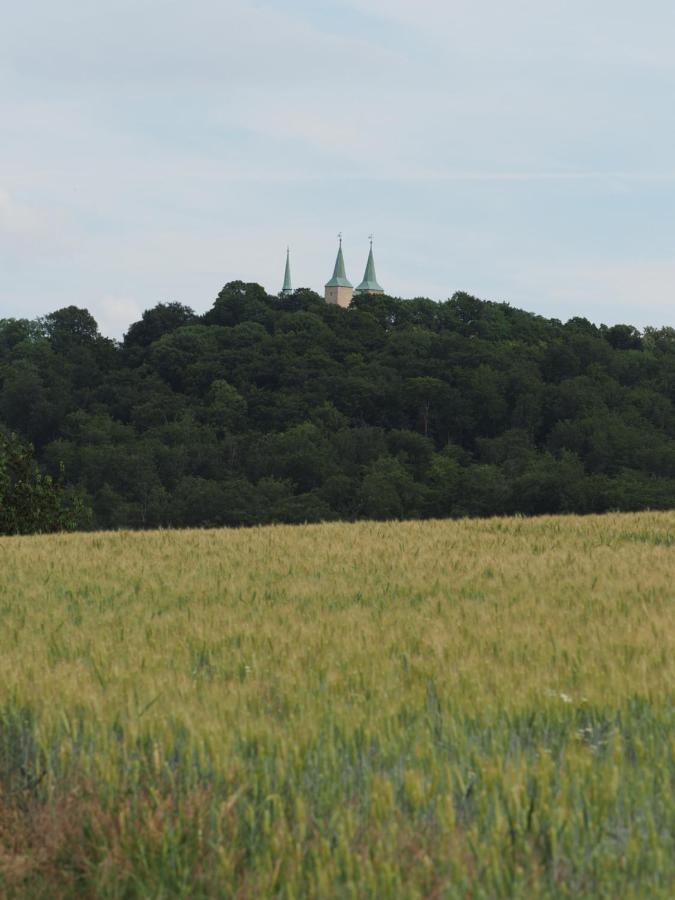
340	237
371	238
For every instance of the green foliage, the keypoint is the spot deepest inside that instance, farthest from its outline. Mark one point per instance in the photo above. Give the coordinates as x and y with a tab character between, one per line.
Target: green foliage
162	319
29	500
391	408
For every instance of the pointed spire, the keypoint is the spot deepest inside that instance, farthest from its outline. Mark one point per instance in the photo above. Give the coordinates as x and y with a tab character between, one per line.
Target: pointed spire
288	287
339	278
369	285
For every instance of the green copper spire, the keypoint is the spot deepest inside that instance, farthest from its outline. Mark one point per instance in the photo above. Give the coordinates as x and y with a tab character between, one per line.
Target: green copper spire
339	278
288	287
369	284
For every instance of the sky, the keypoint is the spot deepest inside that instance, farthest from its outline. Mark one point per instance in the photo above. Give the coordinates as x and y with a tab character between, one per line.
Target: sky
153	150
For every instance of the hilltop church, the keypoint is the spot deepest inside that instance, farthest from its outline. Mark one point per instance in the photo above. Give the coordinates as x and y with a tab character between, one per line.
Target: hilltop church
339	289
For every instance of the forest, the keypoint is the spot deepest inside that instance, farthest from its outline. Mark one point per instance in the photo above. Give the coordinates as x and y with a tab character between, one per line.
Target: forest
286	409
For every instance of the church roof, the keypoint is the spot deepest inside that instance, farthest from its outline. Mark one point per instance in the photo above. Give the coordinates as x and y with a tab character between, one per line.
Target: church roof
369	283
288	286
339	278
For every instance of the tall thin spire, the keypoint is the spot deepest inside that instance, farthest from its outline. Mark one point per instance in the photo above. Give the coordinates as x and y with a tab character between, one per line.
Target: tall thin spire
370	285
339	278
288	286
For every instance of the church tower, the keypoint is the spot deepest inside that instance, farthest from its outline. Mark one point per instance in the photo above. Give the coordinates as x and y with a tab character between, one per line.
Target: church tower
288	287
339	289
369	284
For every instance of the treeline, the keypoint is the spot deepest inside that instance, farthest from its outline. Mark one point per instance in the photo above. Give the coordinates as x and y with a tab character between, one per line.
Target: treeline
269	409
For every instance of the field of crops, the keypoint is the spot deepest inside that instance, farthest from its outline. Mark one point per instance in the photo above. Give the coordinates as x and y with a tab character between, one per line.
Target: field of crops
437	709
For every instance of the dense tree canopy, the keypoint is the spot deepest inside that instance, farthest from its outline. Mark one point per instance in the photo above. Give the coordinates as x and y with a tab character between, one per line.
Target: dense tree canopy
287	409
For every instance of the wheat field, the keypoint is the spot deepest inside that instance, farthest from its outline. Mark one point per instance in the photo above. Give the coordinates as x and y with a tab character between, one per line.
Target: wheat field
394	710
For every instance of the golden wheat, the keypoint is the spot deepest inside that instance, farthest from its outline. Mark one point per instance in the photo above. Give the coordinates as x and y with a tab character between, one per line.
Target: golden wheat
476	708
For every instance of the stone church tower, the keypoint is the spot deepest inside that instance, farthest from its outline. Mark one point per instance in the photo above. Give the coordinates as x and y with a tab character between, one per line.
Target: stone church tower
339	289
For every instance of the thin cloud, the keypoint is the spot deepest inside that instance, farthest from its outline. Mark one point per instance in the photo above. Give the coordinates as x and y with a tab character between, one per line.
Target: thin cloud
161	156
116	314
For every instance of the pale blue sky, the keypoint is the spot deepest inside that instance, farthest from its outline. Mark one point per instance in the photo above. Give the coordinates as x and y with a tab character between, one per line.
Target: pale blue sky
522	151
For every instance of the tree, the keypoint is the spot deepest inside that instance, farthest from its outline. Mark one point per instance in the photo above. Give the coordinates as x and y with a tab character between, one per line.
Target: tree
70	326
31	403
156	322
226	408
237	302
300	455
445	484
427	398
390	492
15	331
30	502
624	337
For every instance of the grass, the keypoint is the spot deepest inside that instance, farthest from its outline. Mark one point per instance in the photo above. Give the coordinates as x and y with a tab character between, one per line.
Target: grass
437	709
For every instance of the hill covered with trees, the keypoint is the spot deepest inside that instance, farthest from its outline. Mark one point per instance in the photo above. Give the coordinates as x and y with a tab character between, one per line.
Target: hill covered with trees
287	409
